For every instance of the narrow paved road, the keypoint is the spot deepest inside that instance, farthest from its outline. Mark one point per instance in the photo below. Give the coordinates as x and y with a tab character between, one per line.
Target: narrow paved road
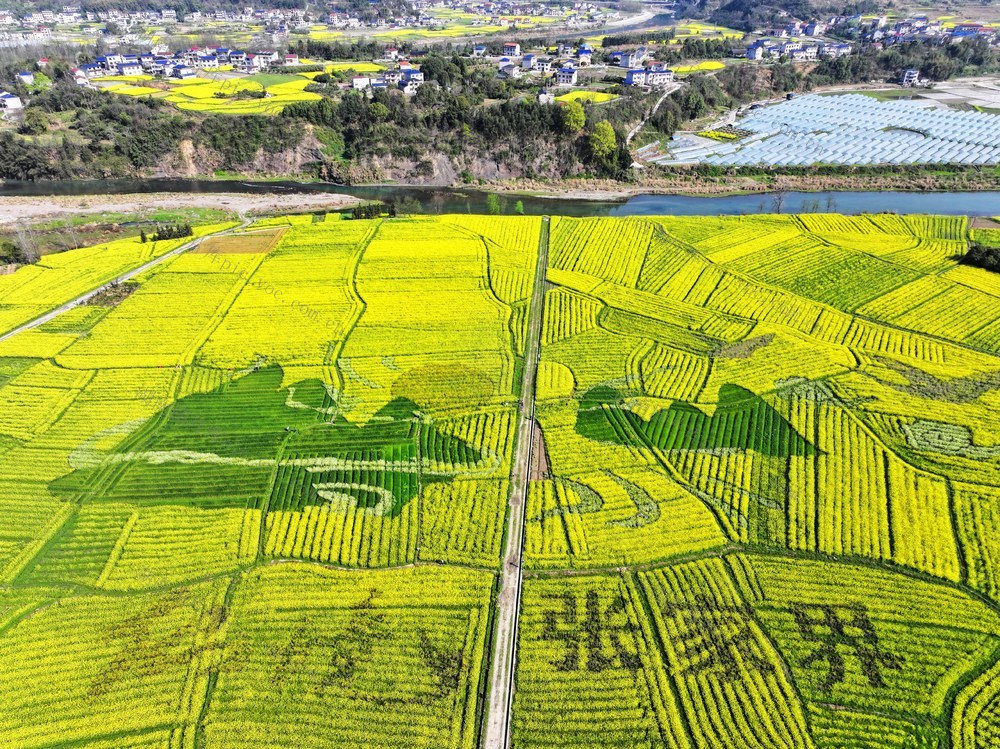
634	131
497	735
120	279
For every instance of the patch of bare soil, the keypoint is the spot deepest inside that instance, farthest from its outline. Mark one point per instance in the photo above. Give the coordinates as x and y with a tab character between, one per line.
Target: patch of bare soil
256	243
744	349
113	295
981	222
539	468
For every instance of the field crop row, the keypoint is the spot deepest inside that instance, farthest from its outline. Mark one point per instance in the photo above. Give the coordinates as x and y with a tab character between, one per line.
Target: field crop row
761	509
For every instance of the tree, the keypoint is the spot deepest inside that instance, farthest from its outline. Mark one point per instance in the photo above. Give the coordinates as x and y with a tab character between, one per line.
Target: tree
574	117
602	143
519	208
379	111
142	236
493	204
11	253
25	242
35	122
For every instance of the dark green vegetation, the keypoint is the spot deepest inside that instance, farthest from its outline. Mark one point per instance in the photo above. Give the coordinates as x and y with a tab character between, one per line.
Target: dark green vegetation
748	15
448	117
10	252
689	49
170	231
208	451
985	251
741	421
972	57
83	133
96	134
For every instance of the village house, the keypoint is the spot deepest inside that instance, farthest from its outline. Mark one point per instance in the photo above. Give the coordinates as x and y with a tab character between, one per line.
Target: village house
9	102
412	80
566	77
204	62
129	67
254	62
635	77
834	50
627	59
512	49
656	78
652	76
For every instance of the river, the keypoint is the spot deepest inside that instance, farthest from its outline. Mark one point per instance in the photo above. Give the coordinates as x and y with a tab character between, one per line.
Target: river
447	200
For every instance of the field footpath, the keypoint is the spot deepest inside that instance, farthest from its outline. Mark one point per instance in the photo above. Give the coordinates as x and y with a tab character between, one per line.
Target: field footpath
129	275
508	606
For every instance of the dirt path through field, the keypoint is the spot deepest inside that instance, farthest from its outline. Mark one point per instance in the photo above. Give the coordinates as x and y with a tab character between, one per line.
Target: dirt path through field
501	697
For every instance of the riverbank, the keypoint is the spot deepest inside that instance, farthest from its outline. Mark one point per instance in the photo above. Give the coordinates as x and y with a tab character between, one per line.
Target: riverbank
141	205
702	186
108	201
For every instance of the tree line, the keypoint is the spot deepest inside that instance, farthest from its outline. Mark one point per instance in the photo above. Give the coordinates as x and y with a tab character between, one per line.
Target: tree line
169	231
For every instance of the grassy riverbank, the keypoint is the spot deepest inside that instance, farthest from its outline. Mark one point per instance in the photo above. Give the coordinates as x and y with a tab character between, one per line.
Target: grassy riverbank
745	182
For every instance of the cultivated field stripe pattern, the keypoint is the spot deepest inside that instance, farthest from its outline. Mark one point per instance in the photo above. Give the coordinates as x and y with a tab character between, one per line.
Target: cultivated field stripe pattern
469	481
771	460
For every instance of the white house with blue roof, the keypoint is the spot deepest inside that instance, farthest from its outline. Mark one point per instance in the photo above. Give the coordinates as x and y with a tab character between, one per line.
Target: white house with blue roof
9	102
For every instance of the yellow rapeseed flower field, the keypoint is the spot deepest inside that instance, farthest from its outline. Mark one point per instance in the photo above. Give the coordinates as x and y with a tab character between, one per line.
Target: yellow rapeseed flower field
262	500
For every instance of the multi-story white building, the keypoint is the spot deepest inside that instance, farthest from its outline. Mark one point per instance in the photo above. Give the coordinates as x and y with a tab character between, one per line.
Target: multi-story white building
566	77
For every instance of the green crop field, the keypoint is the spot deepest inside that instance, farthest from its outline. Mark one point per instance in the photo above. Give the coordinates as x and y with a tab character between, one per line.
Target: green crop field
261	500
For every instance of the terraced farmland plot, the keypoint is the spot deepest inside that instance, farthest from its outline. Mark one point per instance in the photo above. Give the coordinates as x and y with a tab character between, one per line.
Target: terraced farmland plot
262	501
